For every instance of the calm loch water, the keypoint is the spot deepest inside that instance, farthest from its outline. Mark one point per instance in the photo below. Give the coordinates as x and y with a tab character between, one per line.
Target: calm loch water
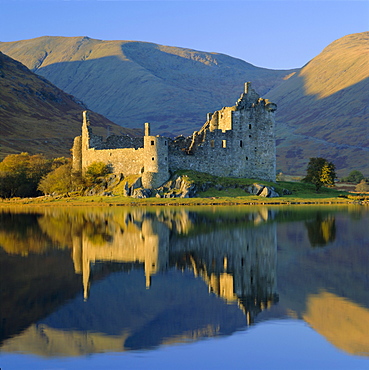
206	287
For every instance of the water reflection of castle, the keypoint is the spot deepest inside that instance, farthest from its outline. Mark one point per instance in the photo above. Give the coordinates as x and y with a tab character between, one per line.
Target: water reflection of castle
237	262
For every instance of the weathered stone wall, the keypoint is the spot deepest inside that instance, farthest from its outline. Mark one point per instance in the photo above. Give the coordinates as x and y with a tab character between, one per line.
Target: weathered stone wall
77	154
126	161
222	119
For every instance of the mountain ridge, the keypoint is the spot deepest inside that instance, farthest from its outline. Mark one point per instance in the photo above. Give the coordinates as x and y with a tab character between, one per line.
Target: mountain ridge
132	82
322	107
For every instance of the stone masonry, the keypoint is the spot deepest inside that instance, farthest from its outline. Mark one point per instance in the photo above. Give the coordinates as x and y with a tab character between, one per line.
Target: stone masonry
236	141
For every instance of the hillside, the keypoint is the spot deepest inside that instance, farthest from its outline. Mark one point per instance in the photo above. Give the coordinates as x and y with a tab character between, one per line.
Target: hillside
135	82
323	109
37	117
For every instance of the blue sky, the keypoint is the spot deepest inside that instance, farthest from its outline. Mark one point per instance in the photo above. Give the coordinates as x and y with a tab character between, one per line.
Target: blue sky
273	34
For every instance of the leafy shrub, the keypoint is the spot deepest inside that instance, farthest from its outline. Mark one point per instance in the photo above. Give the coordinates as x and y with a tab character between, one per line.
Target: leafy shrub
354	177
95	171
58	181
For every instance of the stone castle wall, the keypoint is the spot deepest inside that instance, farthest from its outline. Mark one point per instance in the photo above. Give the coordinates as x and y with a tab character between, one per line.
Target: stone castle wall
236	141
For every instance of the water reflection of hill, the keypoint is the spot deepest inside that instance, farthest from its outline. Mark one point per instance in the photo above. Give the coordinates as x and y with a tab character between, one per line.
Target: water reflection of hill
160	264
33	287
329	288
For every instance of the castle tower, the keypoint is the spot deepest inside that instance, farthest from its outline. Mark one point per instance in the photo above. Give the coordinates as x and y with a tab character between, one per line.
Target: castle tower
155	160
253	127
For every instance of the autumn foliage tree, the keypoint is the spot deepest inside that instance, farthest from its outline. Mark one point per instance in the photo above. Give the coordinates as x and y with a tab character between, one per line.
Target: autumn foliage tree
320	172
58	181
21	173
95	171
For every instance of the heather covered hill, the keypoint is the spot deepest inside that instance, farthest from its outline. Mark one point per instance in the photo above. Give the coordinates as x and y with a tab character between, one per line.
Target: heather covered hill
135	82
37	117
323	110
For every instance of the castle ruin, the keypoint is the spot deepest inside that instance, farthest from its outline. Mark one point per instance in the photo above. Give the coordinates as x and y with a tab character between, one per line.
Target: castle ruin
236	141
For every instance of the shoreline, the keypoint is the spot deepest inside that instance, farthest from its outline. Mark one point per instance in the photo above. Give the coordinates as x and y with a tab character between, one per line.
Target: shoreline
153	202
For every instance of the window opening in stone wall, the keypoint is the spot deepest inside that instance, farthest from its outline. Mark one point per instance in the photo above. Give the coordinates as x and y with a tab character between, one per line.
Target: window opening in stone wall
250	126
165	142
247	158
224	143
241	143
153	158
212	143
249	135
166	158
152	142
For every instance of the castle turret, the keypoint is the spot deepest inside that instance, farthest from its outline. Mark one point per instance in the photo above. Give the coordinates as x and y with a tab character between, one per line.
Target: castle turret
155	160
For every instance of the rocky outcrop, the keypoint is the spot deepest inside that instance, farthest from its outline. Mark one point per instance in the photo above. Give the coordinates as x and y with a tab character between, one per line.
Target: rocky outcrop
179	186
262	191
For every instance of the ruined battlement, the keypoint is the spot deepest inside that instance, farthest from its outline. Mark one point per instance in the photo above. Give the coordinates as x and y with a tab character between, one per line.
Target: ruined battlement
237	141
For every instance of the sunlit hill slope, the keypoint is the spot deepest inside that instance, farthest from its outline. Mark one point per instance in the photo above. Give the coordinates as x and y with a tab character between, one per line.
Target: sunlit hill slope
36	116
323	110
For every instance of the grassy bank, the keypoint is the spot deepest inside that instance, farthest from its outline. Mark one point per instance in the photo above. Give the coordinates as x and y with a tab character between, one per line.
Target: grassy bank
234	195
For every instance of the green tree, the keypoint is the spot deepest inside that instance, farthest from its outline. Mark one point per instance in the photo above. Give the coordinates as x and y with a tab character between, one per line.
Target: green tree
320	172
354	177
95	171
58	181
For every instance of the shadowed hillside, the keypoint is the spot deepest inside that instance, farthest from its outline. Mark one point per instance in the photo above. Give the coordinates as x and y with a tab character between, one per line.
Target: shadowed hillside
323	109
135	82
37	117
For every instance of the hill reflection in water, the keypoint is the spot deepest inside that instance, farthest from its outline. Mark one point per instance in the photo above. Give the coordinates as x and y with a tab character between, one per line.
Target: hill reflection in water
117	279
